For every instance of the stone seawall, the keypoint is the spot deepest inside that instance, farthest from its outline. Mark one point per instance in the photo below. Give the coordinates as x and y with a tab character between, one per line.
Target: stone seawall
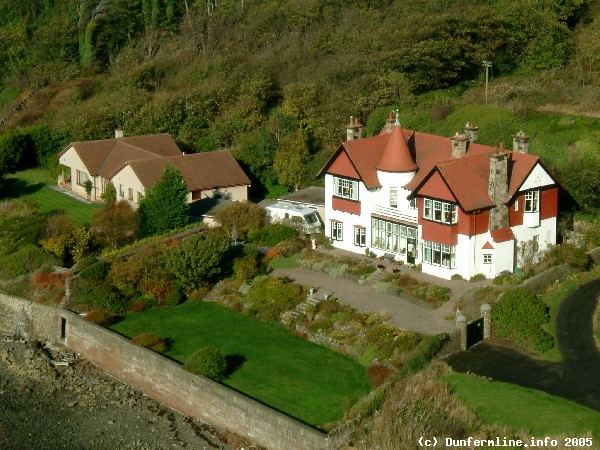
160	377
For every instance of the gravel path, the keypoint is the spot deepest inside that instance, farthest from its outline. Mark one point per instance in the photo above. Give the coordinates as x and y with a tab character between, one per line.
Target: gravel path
81	407
405	314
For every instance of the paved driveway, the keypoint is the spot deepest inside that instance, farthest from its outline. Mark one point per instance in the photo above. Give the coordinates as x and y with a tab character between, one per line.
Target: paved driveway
405	314
575	378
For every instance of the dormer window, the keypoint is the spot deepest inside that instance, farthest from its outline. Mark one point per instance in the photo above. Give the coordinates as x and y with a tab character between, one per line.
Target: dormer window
345	188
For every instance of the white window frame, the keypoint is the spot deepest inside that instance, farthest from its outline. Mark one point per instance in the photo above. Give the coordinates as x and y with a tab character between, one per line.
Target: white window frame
439	211
487	258
394	197
516	205
532	201
345	188
413	203
360	236
440	255
122	190
337	229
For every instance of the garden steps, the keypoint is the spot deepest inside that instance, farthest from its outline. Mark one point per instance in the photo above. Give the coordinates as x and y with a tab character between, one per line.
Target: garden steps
376	277
299	310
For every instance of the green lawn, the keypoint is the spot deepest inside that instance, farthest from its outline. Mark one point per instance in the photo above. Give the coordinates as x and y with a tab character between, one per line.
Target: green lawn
35	184
519	408
302	379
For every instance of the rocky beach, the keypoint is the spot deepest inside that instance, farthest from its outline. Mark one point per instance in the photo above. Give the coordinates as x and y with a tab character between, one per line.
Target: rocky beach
44	405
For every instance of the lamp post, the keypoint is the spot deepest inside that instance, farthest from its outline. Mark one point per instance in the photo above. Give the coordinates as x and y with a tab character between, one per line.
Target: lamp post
487	64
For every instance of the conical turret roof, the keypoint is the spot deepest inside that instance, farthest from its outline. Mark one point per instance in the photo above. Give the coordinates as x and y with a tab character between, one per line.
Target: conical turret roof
396	155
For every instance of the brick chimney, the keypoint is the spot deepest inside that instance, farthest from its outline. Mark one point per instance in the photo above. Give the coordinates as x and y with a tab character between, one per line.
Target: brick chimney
498	189
470	131
521	142
459	145
118	133
354	129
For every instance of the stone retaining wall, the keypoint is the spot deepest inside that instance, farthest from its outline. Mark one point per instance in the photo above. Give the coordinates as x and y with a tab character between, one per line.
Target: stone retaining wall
161	378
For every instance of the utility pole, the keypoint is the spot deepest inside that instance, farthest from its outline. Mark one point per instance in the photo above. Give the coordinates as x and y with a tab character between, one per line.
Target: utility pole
487	64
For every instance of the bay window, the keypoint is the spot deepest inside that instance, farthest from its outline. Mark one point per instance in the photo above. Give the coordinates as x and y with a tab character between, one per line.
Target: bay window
439	211
532	201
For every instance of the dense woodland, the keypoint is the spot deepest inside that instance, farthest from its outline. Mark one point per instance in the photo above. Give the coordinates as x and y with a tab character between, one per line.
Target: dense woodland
275	80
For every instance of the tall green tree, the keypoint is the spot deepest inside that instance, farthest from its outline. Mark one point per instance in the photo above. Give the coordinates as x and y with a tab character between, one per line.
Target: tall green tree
165	206
291	160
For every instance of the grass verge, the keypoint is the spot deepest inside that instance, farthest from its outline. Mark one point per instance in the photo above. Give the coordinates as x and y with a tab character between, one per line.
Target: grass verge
302	379
553	299
519	408
35	185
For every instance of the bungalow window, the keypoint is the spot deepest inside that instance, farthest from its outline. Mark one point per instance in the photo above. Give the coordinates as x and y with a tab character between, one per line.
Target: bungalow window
345	188
139	197
393	197
130	194
82	177
487	258
439	254
121	190
336	231
360	236
532	201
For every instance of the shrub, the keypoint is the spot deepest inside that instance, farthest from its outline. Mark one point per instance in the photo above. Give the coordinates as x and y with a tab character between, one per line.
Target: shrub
272	234
477	277
457	276
270	297
100	317
246	268
518	316
406	280
95	272
150	341
208	362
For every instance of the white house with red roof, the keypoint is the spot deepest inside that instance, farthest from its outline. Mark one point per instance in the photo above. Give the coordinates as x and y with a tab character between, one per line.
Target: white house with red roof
450	204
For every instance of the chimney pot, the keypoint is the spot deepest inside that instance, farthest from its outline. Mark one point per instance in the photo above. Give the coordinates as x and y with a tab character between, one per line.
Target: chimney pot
470	131
521	142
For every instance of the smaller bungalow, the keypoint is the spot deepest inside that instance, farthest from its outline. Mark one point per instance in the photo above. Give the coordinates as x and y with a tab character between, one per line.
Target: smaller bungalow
134	164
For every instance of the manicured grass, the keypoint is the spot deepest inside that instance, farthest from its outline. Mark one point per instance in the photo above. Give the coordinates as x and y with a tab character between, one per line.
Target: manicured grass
302	379
35	185
519	408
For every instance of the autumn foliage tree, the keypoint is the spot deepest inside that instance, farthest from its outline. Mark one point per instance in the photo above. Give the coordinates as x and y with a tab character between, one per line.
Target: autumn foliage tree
115	224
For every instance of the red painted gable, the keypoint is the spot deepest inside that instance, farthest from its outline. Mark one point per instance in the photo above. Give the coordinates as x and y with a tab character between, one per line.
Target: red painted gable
549	203
435	187
342	166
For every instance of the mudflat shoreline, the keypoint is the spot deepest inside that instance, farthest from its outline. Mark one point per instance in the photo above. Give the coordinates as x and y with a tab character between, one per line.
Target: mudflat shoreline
81	407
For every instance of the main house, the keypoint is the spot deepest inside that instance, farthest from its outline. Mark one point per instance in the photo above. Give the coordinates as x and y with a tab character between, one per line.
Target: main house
134	164
453	205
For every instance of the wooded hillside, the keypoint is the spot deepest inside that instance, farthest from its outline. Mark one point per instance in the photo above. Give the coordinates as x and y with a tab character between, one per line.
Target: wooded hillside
282	76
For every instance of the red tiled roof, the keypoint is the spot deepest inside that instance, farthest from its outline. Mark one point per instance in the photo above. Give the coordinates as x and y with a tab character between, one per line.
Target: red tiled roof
405	150
396	154
487	246
502	235
201	171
